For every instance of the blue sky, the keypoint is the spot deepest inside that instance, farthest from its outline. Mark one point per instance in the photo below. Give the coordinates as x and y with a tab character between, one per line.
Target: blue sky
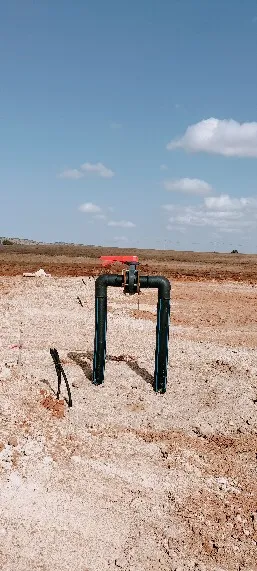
93	92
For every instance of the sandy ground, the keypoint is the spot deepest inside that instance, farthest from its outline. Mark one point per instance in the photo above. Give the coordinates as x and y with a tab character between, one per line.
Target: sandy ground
127	479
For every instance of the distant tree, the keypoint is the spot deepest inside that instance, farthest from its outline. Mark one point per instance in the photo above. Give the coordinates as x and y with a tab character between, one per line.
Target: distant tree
234	252
7	242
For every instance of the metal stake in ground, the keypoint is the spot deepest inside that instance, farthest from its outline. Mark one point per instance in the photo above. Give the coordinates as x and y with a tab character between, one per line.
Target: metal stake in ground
60	372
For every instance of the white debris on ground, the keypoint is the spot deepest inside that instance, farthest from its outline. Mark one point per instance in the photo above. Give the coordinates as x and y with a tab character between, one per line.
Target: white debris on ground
125	479
39	274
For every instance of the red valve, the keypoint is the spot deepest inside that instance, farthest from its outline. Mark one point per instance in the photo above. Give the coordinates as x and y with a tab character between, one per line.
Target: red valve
108	260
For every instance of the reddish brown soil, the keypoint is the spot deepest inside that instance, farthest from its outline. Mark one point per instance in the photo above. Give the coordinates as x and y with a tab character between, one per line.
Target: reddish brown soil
52	404
84	261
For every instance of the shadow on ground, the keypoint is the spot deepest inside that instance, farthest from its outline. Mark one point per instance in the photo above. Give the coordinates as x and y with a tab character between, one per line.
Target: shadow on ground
82	359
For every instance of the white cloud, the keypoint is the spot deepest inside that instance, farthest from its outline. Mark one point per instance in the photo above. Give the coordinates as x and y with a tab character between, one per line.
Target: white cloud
168	207
74	174
89	208
222	213
120	238
100	217
176	228
219	136
121	223
227	214
188	185
97	168
163	167
224	202
191	216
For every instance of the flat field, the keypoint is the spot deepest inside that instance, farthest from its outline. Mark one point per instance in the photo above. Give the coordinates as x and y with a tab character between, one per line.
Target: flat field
84	260
128	479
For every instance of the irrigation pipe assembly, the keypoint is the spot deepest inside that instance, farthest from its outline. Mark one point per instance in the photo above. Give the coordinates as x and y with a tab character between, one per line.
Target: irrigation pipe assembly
132	284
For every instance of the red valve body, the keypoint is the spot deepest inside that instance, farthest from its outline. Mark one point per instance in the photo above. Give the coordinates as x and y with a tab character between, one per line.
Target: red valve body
108	260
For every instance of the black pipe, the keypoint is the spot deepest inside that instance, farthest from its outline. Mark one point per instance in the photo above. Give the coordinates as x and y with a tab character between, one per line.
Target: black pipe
101	284
162	328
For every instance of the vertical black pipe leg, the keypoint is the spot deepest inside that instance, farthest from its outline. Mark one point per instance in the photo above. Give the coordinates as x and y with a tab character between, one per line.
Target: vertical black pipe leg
100	339
162	343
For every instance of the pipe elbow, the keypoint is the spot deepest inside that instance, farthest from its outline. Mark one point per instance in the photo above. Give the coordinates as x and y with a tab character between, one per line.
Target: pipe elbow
164	287
101	285
105	280
159	282
102	280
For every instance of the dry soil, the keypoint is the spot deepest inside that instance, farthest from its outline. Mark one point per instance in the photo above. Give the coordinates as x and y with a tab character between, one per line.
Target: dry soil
127	479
